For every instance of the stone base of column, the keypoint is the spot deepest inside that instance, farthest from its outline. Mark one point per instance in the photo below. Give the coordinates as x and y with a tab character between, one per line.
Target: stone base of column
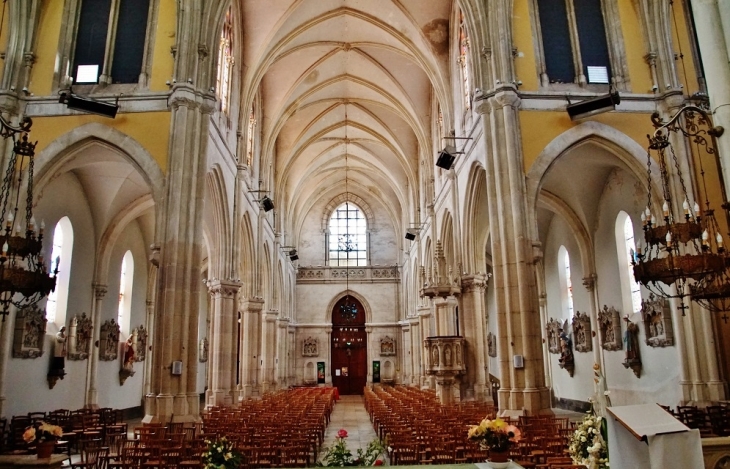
219	397
716	391
482	393
168	408
533	400
246	391
447	390
92	399
265	387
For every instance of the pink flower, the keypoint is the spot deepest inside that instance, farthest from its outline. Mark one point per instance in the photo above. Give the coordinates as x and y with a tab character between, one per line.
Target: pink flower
342	433
378	463
514	431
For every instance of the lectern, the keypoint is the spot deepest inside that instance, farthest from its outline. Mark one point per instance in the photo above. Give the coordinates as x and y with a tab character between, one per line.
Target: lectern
649	437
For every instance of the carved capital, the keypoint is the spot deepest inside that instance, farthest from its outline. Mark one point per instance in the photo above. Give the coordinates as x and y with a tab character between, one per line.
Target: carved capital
29	58
590	282
99	291
482	106
506	98
475	282
223	289
650	58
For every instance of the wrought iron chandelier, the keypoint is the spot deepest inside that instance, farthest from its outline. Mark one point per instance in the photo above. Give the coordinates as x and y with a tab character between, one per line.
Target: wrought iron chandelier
24	279
687	251
348	309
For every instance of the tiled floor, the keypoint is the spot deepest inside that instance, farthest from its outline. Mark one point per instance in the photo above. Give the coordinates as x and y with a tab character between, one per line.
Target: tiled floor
349	413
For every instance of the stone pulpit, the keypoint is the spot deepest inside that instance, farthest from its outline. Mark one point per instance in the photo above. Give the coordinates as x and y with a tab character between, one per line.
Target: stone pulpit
445	361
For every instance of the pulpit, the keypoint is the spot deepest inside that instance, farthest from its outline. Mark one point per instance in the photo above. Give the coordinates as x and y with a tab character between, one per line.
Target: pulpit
445	361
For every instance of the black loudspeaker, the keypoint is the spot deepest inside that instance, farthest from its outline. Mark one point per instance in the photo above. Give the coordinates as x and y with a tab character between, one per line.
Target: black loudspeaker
410	236
90	106
593	106
267	204
445	160
293	255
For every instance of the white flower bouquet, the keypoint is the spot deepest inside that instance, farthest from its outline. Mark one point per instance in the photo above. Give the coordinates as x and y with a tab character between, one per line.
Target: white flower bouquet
589	444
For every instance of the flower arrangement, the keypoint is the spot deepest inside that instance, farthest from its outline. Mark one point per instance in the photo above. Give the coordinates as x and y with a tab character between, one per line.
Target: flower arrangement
494	435
339	456
41	432
589	444
221	454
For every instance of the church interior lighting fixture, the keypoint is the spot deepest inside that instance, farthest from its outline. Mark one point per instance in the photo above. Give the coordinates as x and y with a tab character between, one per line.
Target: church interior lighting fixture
24	277
348	308
593	106
684	255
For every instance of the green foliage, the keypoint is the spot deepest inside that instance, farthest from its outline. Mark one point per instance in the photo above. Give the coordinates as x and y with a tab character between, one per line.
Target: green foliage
221	454
338	455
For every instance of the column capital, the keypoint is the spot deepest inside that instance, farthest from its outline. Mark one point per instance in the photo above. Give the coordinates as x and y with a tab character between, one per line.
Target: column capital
475	282
251	305
506	98
590	281
99	291
223	288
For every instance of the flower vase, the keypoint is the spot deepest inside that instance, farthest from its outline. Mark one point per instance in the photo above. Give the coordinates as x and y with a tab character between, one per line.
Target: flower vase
498	459
44	449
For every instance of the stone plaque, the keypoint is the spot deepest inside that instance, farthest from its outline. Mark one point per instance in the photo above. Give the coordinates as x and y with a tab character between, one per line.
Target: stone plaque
657	321
30	333
609	326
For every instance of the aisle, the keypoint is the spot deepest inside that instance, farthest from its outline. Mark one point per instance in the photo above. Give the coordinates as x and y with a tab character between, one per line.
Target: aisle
349	413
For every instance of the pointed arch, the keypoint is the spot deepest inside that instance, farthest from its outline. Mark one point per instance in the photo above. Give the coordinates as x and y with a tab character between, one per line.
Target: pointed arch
364	302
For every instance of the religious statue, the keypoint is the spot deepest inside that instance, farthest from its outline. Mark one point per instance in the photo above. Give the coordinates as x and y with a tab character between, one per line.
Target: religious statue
631	339
435	356
128	360
566	360
59	354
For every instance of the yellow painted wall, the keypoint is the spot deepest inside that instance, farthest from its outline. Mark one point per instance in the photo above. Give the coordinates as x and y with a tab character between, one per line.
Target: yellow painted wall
50	29
539	128
4	26
162	60
525	65
635	45
682	45
150	129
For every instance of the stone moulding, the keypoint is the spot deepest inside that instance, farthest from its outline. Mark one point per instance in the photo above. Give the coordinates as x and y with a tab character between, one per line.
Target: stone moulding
609	326
334	274
30	333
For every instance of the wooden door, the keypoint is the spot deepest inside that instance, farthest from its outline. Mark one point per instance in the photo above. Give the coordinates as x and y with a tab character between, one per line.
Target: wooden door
349	347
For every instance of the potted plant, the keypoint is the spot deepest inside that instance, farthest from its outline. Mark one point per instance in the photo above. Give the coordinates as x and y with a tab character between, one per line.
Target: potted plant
44	436
221	454
496	436
339	456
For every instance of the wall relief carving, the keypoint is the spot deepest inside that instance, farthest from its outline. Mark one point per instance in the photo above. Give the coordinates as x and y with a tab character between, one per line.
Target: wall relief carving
310	347
109	341
631	337
30	333
657	321
387	346
141	353
79	337
492	345
582	333
609	325
553	335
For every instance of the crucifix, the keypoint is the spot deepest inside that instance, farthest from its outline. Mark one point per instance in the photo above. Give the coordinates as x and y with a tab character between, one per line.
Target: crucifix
724	318
683	307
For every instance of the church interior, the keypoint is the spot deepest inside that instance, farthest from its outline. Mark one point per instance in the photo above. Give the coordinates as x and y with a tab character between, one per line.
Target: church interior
365	196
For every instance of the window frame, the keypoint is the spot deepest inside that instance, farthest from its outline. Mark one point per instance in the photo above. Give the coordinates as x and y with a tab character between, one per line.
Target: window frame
63	74
614	39
626	275
63	279
337	261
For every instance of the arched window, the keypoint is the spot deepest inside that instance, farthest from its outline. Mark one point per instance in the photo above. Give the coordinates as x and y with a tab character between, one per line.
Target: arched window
566	284
625	244
225	62
63	243
126	279
251	130
464	61
574	41
348	236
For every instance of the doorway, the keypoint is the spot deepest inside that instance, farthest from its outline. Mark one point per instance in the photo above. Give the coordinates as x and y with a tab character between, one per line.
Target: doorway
349	346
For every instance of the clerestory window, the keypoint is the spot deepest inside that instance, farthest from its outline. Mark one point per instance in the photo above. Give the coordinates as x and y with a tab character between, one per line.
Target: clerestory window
348	236
225	62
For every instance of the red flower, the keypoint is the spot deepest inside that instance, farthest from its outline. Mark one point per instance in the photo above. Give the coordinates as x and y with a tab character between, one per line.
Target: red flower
378	463
342	433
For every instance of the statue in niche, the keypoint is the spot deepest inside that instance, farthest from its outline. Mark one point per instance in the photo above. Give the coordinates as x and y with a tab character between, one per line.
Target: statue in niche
109	341
657	322
458	355
435	356
553	335
141	349
447	356
58	359
566	360
387	346
79	340
30	332
203	355
310	347
582	332
492	345
609	326
631	338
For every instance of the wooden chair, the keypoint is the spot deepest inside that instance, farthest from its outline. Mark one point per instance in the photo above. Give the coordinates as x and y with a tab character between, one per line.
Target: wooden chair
92	458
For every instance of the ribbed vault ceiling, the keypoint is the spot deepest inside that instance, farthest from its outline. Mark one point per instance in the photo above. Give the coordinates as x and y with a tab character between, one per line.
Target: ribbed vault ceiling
346	77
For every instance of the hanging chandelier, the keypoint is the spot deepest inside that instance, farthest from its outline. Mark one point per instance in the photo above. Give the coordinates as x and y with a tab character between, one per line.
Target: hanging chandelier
24	279
683	255
348	309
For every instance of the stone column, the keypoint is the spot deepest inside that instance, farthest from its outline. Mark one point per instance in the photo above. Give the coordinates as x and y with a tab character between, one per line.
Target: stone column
181	238
152	272
282	347
370	354
474	317
251	326
268	345
445	315
92	395
222	355
424	319
590	283
405	352
518	324
415	351
328	348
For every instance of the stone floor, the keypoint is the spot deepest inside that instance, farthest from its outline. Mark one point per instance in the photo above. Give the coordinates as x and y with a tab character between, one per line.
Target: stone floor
349	414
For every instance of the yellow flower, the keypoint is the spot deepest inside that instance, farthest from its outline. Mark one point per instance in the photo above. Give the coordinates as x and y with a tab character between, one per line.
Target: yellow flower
498	424
29	435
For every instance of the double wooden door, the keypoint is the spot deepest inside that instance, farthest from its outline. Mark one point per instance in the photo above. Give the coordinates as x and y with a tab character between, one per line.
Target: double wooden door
349	347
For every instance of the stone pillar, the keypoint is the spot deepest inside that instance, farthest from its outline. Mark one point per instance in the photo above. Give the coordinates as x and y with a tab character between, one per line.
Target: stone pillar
518	325
268	345
474	318
415	351
328	349
424	319
181	238
590	283
282	348
445	315
152	272
92	395
406	355
251	326
222	355
712	30
370	354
